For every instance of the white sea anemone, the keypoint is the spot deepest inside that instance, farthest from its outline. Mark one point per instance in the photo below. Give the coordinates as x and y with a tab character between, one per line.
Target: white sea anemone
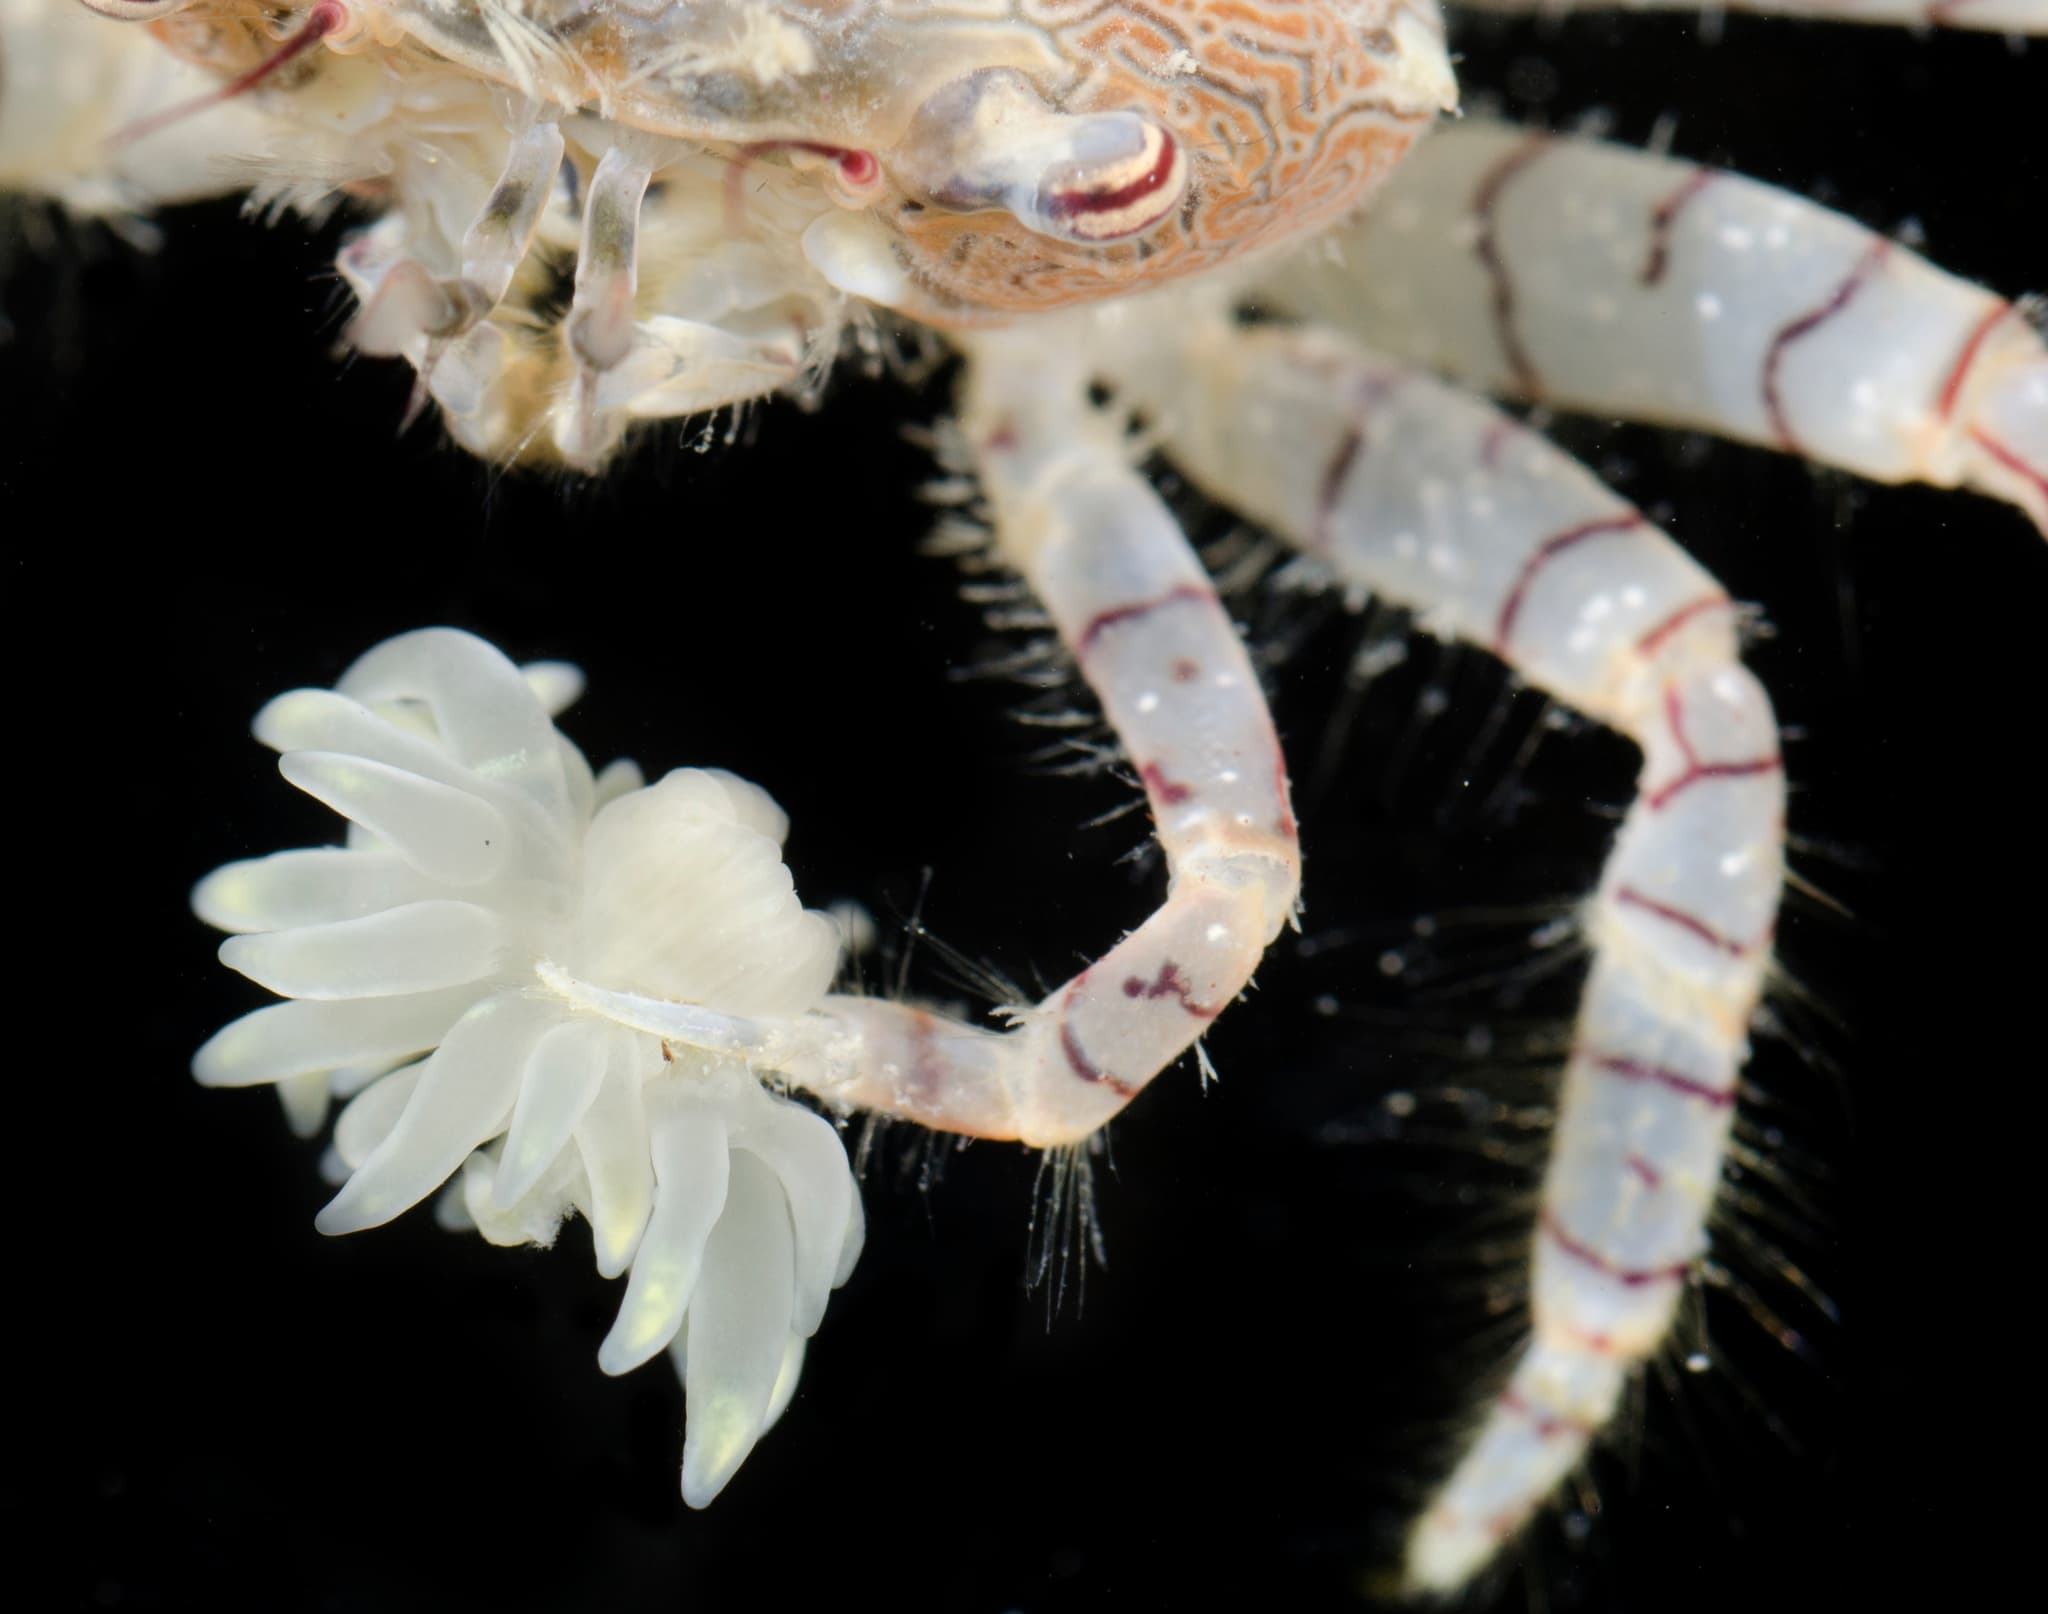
449	969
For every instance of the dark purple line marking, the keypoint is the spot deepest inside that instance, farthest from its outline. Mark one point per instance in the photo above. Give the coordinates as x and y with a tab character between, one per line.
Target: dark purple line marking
1631	1277
1167	792
1286	825
1695	769
1070	1045
1117	615
1641	1070
1369	390
1634	1070
2011	461
1486	247
1650	643
1952	388
1663	217
1804	326
1333	482
1169	983
1511	607
1629	896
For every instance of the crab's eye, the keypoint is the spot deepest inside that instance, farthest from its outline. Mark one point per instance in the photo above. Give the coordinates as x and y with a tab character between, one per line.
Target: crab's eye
989	140
136	10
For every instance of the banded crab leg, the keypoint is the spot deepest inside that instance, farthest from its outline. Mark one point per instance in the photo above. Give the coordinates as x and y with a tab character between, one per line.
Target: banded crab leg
1393	483
1993	16
1624	284
1134	607
1138	613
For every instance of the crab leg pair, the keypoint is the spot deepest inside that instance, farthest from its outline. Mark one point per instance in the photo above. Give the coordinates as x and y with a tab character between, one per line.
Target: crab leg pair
1604	280
1393	484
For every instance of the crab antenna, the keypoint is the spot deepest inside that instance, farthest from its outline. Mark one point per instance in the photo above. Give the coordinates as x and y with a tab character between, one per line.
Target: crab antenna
327	17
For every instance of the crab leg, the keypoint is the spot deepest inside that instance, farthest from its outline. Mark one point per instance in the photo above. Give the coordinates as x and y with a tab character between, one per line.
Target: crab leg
1393	483
1624	284
1995	16
1140	617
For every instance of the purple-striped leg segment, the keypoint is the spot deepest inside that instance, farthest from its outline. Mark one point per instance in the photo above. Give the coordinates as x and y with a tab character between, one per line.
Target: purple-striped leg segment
1396	485
1133	605
1623	284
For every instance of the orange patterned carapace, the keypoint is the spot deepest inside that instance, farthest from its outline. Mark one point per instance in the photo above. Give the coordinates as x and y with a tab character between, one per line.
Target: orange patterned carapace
1014	155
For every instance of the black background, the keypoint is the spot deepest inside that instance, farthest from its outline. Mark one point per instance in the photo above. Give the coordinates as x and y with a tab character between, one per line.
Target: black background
215	1408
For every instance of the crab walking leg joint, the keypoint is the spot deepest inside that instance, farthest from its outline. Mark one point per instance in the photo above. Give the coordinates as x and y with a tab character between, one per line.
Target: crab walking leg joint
1619	283
1392	483
1142	620
1992	16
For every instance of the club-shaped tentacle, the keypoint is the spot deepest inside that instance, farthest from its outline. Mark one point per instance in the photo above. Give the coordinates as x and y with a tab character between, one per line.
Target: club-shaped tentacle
300	1038
560	1083
1393	484
1142	621
462	1097
739	1341
1620	283
318	885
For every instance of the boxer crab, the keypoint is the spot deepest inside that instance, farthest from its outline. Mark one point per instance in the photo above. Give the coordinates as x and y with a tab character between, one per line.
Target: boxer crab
1083	198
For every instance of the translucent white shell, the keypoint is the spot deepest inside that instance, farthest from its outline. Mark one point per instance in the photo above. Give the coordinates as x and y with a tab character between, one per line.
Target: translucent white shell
481	853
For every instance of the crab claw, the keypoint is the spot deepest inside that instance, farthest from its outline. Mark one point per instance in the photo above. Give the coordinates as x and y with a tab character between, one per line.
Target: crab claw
989	140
